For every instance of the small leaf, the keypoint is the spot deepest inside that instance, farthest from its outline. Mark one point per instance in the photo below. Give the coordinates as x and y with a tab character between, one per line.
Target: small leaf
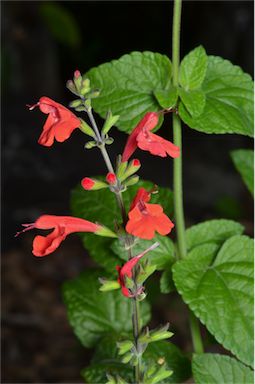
244	163
193	69
229	100
166	98
127	86
218	287
216	231
92	313
194	101
211	368
166	281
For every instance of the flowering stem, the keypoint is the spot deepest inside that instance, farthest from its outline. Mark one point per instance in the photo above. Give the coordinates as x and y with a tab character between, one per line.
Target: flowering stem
178	194
136	311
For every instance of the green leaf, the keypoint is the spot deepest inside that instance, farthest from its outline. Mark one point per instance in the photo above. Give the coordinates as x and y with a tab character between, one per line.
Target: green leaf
193	69
162	256
61	23
218	287
92	313
167	98
194	101
166	281
101	206
216	231
106	360
127	86
210	368
229	100
244	163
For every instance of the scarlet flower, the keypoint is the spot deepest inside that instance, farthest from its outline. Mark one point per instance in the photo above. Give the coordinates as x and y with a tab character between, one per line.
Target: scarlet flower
145	219
126	270
59	124
142	137
63	226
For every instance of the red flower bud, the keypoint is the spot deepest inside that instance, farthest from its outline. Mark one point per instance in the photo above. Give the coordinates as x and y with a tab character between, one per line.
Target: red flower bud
111	178
77	74
136	163
87	183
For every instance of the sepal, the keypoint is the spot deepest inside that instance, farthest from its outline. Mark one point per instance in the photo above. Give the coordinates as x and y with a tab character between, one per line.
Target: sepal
108	285
106	232
124	346
109	122
131	181
161	333
85	128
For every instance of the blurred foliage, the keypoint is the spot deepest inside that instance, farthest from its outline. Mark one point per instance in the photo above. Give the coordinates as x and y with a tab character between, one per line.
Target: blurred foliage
61	24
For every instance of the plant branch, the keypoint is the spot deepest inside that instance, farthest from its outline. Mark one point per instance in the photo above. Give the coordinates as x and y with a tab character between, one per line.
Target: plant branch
136	312
178	188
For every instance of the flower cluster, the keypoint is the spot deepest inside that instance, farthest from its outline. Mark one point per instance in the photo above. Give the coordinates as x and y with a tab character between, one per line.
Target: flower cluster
144	219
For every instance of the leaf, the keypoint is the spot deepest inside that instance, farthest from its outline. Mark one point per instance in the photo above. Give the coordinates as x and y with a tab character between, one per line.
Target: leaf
127	86
194	101
229	100
244	163
166	281
166	98
61	23
92	313
216	231
218	287
210	368
193	69
162	256
106	360
101	206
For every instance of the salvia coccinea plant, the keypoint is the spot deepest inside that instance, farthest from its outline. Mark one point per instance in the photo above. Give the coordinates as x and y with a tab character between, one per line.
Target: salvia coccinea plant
124	222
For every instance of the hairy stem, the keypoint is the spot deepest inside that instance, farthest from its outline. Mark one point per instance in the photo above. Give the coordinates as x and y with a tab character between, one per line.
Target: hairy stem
136	312
178	190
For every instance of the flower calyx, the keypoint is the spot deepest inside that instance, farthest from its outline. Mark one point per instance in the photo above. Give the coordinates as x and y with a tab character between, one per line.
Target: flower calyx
157	334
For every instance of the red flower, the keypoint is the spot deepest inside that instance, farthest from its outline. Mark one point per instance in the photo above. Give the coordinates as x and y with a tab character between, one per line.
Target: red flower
63	226
145	219
142	137
59	124
126	270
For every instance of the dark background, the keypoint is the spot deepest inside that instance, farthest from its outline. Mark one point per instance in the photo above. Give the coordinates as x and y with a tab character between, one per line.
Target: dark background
42	44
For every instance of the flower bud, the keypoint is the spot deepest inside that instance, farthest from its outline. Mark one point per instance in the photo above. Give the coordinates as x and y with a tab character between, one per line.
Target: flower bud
126	358
92	185
85	88
77	73
132	168
111	178
132	181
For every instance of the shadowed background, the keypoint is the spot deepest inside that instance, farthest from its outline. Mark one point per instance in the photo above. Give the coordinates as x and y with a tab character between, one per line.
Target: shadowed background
42	44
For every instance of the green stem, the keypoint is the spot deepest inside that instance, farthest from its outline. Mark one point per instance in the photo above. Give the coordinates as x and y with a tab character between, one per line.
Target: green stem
178	190
136	311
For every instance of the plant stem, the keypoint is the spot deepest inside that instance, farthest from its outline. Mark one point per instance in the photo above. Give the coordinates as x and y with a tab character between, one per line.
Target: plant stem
178	193
136	311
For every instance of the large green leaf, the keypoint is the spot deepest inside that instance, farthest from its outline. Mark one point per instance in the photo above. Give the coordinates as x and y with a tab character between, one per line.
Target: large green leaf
106	360
162	256
101	206
92	313
244	163
193	69
229	100
219	369
127	86
218	287
216	231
